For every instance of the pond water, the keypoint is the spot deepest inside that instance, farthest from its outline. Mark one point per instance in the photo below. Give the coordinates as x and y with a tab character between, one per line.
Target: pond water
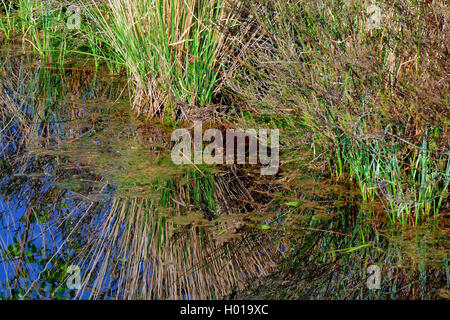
92	207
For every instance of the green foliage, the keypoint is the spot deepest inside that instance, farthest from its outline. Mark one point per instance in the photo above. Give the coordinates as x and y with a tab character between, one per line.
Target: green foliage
370	102
170	48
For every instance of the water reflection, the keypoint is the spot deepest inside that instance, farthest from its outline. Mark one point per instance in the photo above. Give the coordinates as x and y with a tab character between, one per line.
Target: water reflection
85	183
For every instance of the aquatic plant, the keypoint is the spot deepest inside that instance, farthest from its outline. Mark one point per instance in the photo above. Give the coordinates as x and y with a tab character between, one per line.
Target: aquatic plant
172	49
370	102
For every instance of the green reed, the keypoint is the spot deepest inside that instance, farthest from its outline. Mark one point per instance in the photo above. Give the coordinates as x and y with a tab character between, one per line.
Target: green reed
170	48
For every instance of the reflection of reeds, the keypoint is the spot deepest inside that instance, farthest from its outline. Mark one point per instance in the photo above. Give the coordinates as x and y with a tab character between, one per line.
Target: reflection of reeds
330	258
136	247
136	254
40	100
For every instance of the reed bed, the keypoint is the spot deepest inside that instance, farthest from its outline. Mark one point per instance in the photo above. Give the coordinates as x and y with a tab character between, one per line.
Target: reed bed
364	106
371	103
173	50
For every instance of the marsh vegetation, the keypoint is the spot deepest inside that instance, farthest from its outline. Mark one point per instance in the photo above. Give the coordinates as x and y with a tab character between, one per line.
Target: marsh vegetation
91	91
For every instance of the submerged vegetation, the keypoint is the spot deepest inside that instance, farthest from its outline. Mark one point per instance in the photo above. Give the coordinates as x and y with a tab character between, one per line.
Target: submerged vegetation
90	92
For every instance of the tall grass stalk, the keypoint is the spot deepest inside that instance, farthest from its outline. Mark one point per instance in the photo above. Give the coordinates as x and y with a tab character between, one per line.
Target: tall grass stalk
7	20
172	48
